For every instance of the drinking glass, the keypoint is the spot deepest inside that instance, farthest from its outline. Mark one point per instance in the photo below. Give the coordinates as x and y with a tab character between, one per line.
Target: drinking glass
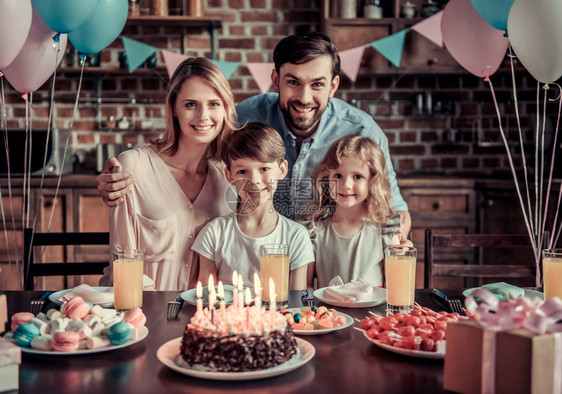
127	277
552	273
274	263
400	274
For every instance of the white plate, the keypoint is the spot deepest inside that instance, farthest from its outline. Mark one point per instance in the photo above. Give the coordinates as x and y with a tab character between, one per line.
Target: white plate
377	297
168	352
190	296
348	322
531	294
406	352
54	297
143	332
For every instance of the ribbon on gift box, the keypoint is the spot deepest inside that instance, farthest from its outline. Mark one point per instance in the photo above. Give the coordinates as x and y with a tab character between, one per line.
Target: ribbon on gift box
534	315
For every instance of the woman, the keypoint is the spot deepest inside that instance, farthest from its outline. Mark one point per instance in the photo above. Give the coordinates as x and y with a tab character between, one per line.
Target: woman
178	186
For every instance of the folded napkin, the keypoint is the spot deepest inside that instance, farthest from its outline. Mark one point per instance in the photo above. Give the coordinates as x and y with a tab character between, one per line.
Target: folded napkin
503	290
90	294
353	291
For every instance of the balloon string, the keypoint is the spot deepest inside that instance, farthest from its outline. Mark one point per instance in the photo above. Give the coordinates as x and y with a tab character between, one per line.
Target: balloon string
537	128
514	174
540	201
553	241
521	144
5	124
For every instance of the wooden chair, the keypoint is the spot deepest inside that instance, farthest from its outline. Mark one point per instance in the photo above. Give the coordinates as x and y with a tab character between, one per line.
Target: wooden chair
499	271
33	269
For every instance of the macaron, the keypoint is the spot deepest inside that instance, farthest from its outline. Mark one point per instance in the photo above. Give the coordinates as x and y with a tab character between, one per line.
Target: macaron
66	341
25	333
135	316
21	317
119	333
76	308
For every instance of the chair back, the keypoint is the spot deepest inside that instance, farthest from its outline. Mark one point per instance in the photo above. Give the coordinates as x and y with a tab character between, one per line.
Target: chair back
33	269
482	269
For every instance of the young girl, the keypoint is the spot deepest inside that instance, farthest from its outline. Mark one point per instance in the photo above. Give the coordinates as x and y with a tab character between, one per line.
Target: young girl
354	220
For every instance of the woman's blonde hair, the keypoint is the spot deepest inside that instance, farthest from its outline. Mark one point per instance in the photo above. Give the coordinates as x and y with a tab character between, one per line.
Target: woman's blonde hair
377	206
207	71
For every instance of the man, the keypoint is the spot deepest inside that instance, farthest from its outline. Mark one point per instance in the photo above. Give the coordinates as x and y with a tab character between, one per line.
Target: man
307	116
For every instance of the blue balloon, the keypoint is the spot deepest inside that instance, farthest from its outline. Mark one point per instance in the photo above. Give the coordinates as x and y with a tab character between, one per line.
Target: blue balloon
102	28
63	16
495	12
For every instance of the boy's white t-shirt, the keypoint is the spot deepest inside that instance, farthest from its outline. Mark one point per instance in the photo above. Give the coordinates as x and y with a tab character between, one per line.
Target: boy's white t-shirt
222	241
357	257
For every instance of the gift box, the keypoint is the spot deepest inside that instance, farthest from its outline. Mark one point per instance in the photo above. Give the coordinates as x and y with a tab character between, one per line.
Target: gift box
478	360
10	360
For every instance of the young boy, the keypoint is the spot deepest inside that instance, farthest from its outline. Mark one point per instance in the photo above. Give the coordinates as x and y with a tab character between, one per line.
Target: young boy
255	161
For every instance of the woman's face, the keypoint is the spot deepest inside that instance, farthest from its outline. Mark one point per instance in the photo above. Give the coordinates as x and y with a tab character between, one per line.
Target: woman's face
200	111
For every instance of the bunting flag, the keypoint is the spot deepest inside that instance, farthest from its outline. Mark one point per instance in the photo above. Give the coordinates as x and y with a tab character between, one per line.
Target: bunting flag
137	52
391	46
172	61
261	72
226	67
351	61
430	28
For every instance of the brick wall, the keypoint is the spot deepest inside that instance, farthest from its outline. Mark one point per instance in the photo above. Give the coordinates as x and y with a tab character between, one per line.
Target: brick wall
459	137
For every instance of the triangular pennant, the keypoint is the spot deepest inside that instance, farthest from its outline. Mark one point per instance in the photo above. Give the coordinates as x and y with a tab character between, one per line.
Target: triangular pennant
261	72
172	61
430	28
227	67
351	60
391	46
137	52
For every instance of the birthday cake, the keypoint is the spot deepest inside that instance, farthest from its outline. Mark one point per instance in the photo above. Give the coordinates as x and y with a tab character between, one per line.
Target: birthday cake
237	339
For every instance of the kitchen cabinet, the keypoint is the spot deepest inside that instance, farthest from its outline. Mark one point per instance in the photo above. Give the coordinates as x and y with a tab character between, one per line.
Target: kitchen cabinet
419	55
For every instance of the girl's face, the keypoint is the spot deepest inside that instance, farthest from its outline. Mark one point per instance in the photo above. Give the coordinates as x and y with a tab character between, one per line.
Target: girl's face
349	184
200	111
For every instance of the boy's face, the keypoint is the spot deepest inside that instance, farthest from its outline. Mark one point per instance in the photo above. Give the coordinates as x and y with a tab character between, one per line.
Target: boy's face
304	91
254	180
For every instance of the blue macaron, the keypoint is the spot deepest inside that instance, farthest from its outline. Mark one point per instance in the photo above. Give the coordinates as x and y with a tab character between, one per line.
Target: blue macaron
119	333
25	333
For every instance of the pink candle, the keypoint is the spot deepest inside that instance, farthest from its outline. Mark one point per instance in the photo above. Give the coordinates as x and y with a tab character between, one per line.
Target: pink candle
199	293
221	295
272	304
235	290
257	290
240	292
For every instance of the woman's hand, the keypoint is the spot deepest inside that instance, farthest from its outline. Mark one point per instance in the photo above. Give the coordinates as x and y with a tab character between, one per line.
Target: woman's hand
114	185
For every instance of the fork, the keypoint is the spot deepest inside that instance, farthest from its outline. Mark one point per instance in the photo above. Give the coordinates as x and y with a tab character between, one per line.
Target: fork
307	299
174	307
36	306
454	304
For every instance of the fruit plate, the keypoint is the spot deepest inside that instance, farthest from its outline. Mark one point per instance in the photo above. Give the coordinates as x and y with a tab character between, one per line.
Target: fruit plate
348	322
440	354
170	351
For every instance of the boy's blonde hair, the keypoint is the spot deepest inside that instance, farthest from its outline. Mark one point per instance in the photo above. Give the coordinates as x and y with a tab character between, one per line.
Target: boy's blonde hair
256	141
210	73
377	206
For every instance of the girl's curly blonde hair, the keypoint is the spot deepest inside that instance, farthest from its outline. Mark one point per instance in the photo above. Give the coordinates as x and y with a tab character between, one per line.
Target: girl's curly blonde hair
377	206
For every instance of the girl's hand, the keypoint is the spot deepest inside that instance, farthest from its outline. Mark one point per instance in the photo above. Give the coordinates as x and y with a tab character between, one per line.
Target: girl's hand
399	239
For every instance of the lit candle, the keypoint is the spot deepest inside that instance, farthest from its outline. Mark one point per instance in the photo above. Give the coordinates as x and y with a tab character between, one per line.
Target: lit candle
199	299
211	284
222	303
272	305
257	290
248	296
212	298
235	290
240	292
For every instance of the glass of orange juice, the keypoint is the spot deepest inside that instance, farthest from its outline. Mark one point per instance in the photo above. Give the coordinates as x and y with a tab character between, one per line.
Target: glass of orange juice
274	263
127	277
400	275
552	273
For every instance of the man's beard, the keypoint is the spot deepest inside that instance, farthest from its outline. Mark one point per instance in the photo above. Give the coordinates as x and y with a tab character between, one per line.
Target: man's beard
301	124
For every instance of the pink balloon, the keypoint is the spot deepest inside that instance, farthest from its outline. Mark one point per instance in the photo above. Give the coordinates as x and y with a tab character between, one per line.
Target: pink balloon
472	41
15	21
38	59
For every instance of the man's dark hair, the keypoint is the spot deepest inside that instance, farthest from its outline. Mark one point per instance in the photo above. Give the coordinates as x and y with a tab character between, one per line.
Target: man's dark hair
301	48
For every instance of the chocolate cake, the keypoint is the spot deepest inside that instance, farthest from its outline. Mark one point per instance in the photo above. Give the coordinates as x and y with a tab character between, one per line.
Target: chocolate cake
237	339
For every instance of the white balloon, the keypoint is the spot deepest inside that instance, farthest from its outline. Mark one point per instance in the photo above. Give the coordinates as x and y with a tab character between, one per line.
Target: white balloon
535	33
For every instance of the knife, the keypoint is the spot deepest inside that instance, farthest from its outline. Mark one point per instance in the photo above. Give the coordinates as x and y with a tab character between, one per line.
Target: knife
442	299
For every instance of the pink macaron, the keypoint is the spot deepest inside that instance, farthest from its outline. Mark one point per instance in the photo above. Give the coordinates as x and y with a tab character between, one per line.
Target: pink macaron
135	316
76	308
66	341
19	318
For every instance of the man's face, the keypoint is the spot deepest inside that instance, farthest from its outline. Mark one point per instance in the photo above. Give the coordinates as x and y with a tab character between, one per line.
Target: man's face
304	91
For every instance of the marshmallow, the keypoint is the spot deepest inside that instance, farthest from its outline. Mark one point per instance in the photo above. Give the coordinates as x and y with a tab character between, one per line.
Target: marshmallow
83	344
91	319
97	328
58	324
42	342
54	314
40	324
97	342
111	321
42	316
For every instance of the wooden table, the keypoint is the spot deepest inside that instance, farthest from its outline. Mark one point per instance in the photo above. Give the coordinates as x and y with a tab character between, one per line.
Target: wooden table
345	361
